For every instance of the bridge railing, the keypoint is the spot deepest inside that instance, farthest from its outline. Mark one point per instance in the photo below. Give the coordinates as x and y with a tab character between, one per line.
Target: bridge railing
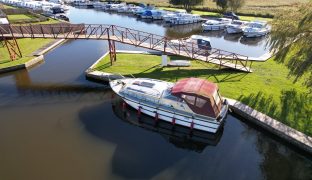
125	35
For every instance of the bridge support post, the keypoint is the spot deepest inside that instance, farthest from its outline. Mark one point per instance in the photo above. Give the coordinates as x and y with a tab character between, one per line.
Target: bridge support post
112	51
12	47
10	43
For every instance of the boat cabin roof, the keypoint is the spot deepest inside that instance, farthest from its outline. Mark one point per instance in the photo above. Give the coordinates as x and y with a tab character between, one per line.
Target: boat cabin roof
196	37
200	95
150	87
194	86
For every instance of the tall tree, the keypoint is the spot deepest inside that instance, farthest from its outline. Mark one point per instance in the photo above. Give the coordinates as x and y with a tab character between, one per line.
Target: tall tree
291	40
236	4
187	4
223	4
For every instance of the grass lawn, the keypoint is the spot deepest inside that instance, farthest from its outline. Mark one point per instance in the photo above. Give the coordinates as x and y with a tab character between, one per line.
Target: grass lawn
27	46
214	14
50	21
19	17
268	89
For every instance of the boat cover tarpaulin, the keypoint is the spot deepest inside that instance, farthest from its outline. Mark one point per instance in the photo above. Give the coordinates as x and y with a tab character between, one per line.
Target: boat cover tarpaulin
199	95
194	86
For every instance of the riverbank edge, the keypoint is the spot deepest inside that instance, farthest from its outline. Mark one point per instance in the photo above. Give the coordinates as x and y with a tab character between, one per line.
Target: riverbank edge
290	135
39	58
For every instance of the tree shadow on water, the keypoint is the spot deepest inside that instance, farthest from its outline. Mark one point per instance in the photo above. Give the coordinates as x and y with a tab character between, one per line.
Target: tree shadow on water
293	109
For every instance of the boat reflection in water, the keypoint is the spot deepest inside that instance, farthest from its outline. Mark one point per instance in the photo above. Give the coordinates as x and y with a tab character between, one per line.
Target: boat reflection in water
179	136
257	41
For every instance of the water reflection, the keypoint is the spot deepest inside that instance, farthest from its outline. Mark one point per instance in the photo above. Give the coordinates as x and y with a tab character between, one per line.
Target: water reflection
182	31
253	41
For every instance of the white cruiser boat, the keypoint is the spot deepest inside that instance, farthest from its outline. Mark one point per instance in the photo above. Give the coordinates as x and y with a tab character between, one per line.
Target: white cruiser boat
217	24
169	16
236	26
202	42
185	19
191	102
257	29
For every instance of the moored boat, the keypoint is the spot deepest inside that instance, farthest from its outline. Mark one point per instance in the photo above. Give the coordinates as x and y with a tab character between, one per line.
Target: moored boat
202	42
257	29
236	26
217	24
191	102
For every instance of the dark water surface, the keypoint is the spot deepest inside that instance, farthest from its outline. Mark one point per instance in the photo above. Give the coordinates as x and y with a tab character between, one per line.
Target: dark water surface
54	124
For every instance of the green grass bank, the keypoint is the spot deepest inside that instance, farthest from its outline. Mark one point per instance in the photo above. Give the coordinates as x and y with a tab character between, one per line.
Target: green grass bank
252	7
27	46
268	89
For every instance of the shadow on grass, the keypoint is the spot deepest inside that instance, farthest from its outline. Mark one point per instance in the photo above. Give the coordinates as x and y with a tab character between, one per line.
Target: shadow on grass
294	108
103	66
176	73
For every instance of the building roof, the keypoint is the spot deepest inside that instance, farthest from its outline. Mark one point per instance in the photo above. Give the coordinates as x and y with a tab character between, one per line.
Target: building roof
194	86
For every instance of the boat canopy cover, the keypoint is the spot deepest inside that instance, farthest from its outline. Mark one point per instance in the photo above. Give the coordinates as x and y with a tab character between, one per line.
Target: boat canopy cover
194	86
200	95
148	13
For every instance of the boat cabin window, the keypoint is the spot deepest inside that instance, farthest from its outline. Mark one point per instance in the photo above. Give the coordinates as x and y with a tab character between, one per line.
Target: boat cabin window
203	42
200	105
200	102
189	99
168	95
237	22
144	84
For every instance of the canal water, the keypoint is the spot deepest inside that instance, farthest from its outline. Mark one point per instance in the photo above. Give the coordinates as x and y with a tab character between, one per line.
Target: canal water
54	124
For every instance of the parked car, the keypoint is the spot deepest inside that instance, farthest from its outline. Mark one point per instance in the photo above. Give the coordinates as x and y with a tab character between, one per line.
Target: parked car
231	15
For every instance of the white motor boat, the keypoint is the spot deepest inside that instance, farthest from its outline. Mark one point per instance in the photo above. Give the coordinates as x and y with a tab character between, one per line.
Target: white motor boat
217	24
257	29
169	16
183	19
196	18
99	5
158	14
236	26
202	42
191	102
123	9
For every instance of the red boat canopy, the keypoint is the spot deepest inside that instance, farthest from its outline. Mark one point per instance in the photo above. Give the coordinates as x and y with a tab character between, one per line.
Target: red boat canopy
200	95
194	86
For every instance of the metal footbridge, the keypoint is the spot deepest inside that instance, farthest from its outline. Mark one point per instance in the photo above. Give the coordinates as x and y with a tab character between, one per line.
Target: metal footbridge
113	34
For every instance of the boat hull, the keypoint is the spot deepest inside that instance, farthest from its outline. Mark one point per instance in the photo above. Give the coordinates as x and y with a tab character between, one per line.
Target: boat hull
255	34
213	27
231	30
160	114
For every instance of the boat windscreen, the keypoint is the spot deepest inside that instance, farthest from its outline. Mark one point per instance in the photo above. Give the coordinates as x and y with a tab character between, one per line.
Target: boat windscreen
144	84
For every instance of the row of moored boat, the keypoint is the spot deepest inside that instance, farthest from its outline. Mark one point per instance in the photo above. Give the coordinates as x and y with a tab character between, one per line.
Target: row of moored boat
145	12
249	29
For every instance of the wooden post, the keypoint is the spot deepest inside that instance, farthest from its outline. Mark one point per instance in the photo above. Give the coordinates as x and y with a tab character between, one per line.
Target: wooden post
112	48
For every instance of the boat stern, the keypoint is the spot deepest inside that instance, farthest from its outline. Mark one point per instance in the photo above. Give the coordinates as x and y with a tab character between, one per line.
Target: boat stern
224	111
